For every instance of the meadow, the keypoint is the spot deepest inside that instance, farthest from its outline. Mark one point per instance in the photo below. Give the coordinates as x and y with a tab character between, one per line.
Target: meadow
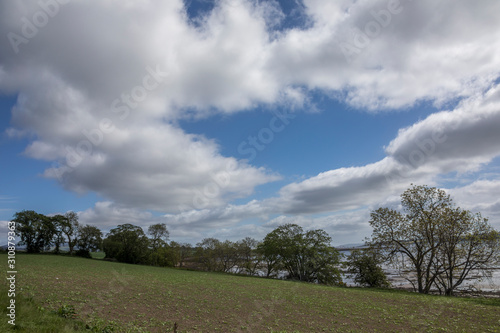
101	296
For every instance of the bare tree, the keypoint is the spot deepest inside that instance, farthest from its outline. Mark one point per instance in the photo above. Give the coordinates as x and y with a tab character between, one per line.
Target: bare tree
442	243
468	244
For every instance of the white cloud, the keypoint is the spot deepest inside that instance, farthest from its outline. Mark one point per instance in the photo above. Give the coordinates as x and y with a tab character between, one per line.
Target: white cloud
234	60
90	62
158	167
107	215
449	141
462	140
480	196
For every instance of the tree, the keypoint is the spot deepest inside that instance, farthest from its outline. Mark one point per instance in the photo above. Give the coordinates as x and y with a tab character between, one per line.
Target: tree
268	250
90	239
468	244
207	256
248	260
217	256
127	243
36	230
364	265
305	256
58	239
159	235
185	250
69	227
66	230
166	255
428	233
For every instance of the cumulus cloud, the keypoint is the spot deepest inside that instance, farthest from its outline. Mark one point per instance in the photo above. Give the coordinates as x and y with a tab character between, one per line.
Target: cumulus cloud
104	122
382	56
480	196
461	140
101	86
108	215
449	141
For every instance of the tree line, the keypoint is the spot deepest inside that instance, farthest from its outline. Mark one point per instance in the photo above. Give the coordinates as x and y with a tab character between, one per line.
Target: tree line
431	242
287	250
39	233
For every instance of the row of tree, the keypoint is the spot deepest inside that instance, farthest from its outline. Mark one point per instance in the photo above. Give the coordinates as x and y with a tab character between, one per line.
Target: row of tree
40	233
287	250
432	243
128	243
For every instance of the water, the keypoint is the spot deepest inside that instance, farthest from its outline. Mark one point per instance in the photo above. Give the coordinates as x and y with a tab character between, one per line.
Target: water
472	282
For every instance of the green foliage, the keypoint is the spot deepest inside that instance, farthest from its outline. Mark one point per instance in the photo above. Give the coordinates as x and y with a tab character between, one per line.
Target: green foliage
165	256
89	238
68	226
217	256
249	260
83	253
364	266
180	252
66	311
35	230
306	256
127	243
58	239
159	235
235	257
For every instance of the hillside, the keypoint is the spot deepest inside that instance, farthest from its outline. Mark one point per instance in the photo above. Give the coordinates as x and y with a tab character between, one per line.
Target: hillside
141	298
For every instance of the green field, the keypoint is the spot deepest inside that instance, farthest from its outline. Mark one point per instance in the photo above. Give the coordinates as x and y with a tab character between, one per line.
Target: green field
132	298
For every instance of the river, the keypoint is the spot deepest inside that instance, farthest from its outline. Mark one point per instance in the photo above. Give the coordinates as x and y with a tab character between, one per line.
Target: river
472	282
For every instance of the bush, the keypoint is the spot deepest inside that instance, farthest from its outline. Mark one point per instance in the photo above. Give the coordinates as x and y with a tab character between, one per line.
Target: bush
365	268
83	253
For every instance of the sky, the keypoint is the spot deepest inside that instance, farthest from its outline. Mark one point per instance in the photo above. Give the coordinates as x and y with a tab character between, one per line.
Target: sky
229	118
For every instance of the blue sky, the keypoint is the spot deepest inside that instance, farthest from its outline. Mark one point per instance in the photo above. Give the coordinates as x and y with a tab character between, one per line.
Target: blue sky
228	118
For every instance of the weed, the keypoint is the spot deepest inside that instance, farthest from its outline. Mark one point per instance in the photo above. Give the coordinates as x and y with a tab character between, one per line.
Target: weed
66	311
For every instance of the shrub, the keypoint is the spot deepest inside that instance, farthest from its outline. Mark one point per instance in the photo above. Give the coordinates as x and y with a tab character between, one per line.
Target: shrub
365	268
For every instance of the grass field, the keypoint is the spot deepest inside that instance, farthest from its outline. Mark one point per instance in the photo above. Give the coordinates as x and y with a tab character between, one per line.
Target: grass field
97	255
131	298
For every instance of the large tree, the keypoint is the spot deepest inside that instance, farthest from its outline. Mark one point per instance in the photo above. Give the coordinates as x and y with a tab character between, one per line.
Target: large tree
36	230
306	256
127	243
248	258
468	244
427	234
58	239
364	266
70	228
66	230
89	239
158	235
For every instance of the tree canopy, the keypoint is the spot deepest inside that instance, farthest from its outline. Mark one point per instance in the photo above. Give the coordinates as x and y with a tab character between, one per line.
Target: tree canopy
36	230
305	256
442	243
126	243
